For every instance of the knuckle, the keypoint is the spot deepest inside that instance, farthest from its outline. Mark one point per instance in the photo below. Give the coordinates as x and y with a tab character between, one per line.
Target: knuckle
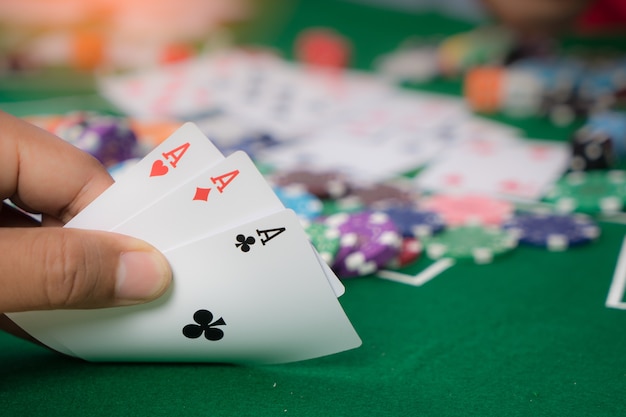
68	279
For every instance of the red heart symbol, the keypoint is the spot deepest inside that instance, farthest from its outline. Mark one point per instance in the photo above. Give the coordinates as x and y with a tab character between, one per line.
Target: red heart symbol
158	168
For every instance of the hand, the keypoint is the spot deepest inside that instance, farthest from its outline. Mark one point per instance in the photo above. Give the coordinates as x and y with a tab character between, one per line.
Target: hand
50	267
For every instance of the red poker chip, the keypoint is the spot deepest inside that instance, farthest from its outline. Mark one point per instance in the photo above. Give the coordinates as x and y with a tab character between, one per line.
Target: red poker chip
410	252
323	47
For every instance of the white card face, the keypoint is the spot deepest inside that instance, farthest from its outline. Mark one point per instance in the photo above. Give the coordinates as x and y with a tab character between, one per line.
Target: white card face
179	89
332	278
252	294
230	192
382	140
164	92
287	100
514	169
181	156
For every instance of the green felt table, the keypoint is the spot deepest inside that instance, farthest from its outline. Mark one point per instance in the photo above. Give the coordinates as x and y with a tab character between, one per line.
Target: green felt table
528	335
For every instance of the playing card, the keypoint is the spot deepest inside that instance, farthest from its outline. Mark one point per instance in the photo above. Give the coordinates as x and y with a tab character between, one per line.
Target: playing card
179	89
251	294
158	92
232	191
519	169
185	153
287	101
382	140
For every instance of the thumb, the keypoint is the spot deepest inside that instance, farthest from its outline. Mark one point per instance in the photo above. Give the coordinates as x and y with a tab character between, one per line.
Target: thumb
48	268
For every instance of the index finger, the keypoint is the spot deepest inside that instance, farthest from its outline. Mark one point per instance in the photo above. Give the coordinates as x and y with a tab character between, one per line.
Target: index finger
43	173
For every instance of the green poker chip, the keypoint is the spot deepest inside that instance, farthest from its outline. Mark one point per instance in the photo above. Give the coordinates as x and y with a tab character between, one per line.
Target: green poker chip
480	244
325	239
590	192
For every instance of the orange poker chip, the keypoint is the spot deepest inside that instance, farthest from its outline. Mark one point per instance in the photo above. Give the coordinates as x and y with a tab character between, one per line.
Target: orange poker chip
87	50
153	133
483	87
323	47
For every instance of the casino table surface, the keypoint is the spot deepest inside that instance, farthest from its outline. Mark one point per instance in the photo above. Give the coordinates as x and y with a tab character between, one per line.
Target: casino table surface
528	335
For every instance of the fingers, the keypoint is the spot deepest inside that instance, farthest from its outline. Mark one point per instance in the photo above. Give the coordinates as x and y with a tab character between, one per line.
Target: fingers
42	173
50	268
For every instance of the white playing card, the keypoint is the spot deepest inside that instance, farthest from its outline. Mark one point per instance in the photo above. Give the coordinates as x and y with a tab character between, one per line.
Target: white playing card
251	294
334	282
382	140
287	100
230	192
185	153
519	169
179	89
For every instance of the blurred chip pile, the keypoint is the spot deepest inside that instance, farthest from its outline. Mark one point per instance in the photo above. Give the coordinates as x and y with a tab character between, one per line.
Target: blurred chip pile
505	75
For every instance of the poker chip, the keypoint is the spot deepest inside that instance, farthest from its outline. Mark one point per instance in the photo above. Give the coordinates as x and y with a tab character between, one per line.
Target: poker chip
369	240
303	203
108	138
410	251
589	192
323	47
408	64
323	184
458	210
478	243
613	125
521	93
378	196
414	222
591	150
324	238
482	88
556	232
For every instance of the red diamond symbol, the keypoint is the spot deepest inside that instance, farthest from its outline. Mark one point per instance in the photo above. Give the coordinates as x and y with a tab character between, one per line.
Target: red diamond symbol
202	194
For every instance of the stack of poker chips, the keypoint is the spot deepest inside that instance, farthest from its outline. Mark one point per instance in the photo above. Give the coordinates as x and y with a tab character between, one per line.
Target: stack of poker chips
600	143
108	138
362	230
562	89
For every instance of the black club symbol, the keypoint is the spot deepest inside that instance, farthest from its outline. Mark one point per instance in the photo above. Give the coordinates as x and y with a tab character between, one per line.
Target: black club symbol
244	242
205	325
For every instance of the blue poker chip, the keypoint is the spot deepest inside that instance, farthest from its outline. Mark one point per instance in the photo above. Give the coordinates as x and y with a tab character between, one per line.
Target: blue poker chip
611	123
303	203
556	232
413	222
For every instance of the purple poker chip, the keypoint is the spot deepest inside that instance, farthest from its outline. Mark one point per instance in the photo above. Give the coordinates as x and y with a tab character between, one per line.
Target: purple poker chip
369	240
108	138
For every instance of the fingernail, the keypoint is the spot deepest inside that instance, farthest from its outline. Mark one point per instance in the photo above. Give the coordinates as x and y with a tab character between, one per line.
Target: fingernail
141	276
